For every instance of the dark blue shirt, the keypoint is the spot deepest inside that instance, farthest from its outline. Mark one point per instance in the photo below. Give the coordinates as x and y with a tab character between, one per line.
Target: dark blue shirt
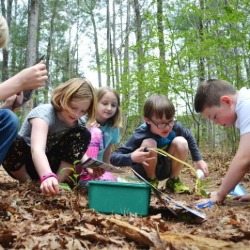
122	156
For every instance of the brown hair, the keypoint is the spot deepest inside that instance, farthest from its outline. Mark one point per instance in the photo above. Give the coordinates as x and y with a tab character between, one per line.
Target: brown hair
158	105
209	92
76	88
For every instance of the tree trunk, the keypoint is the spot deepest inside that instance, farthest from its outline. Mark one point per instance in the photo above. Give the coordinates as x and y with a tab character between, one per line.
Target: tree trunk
32	41
162	58
108	54
114	50
140	58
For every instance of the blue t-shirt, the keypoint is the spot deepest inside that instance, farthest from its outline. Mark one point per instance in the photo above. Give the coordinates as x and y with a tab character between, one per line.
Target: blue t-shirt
110	136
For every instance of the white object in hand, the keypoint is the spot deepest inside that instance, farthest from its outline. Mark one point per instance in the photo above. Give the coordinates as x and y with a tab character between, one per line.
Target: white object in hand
200	174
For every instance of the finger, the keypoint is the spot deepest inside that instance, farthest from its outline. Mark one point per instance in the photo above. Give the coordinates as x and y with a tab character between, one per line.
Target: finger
237	198
201	201
150	158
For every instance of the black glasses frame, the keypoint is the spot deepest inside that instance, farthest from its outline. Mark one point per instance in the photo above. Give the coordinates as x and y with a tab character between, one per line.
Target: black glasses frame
163	125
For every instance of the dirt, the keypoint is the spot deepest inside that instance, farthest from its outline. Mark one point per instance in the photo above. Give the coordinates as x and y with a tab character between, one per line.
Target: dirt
31	220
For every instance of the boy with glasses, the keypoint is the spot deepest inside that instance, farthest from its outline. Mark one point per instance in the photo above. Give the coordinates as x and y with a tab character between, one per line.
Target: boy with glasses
160	130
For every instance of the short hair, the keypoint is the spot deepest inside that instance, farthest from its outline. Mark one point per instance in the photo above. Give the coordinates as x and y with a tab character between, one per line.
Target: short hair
209	92
158	105
4	32
76	88
116	120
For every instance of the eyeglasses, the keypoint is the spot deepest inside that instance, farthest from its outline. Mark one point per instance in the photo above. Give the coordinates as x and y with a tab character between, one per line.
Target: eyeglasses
163	125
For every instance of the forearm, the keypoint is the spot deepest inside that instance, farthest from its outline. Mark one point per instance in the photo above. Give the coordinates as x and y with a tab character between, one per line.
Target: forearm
119	159
41	163
107	154
10	87
235	173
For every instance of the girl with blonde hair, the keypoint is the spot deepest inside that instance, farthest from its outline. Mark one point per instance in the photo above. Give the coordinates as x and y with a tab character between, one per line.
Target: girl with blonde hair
53	137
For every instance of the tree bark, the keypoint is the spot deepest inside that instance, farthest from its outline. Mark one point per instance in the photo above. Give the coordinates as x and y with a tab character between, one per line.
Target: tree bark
32	40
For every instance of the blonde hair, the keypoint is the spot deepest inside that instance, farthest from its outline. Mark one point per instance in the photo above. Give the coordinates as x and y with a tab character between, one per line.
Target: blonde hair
116	120
4	32
76	88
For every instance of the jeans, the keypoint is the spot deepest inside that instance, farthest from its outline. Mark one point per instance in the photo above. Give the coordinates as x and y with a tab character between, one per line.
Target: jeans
9	125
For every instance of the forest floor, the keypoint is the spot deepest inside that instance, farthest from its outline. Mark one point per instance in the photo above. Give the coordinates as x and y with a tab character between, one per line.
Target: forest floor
30	220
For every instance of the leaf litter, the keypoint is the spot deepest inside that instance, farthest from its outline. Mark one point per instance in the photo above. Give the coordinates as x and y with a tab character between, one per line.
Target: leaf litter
31	220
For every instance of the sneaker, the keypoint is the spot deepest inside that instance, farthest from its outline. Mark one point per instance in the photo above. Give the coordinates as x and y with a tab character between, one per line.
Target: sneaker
174	185
154	182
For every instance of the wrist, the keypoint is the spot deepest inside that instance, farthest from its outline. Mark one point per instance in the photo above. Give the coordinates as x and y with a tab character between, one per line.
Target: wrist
221	196
46	176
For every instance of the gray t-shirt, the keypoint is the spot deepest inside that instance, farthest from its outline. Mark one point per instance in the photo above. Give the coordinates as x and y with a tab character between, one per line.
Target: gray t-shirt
57	128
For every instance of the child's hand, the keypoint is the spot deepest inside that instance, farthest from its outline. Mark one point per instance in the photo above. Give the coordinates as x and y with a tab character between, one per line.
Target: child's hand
242	197
94	124
50	186
140	156
214	198
9	102
202	165
96	172
32	77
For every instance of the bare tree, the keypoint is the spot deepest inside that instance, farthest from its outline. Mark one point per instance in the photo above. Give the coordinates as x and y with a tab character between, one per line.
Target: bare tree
89	9
116	70
32	40
162	58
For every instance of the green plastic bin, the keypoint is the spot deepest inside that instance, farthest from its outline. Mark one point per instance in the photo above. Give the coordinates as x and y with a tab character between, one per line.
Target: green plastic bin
119	197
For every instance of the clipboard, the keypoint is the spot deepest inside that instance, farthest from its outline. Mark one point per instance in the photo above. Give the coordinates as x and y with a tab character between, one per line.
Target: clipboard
94	163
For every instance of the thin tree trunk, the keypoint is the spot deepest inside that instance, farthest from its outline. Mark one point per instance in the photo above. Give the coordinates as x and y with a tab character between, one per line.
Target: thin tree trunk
140	57
162	59
32	40
116	70
108	71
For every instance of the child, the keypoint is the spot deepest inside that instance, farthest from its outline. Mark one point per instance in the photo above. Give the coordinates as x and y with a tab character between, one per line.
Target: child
220	102
105	129
30	78
160	130
52	137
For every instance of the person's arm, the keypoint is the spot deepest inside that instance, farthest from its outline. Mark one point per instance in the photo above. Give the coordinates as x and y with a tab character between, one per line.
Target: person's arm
237	169
199	163
202	165
39	135
29	78
192	145
107	154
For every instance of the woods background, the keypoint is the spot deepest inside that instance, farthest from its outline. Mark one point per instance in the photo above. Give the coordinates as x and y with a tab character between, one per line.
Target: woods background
139	47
